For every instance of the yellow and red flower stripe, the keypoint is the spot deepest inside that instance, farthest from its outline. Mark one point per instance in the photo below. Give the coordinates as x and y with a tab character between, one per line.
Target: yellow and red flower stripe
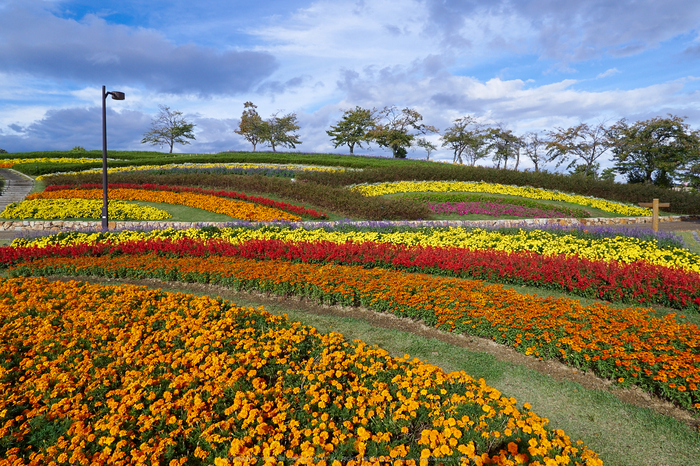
629	345
233	208
620	248
125	375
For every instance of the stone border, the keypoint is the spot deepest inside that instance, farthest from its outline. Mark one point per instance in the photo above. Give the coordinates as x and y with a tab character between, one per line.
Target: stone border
54	226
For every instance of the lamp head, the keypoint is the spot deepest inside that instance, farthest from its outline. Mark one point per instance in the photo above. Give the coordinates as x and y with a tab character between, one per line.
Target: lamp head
116	95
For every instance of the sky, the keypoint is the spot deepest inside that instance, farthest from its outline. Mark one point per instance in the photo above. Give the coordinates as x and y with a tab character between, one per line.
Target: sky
526	65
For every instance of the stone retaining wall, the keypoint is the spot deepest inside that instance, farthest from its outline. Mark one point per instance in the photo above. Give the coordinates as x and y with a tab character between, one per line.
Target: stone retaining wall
66	225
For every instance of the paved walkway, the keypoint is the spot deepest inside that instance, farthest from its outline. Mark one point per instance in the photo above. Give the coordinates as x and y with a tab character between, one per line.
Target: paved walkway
17	186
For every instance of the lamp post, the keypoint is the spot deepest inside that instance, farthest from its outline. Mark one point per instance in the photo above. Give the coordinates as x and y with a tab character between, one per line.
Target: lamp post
116	95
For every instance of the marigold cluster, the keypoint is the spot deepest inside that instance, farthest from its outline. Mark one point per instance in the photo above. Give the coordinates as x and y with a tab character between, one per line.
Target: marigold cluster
123	375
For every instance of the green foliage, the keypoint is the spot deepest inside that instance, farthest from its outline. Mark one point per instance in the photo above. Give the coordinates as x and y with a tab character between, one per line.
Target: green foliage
281	131
396	130
465	142
353	128
3	151
169	128
79	149
656	150
252	126
578	143
503	145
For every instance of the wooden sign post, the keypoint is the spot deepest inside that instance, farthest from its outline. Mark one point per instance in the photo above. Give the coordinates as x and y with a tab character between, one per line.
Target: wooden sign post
655	204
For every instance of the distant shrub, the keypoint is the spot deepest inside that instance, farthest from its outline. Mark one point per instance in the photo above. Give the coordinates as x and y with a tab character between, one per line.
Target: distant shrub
78	149
3	151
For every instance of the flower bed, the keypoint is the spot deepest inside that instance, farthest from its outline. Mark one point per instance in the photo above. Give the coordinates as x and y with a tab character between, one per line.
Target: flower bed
8	163
529	192
233	208
298	210
629	345
493	209
453	197
126	375
585	245
636	283
265	169
81	208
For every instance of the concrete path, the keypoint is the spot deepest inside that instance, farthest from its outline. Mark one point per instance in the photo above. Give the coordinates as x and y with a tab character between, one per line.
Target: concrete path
17	186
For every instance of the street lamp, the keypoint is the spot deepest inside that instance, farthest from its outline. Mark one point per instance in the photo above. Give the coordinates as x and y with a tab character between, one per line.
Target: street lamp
116	95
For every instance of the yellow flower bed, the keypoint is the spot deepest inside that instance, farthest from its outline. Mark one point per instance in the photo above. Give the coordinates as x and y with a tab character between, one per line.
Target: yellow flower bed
81	208
202	165
128	375
522	191
7	163
233	208
621	248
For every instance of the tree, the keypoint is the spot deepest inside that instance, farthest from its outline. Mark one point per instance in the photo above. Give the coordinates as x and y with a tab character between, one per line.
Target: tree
655	151
353	128
534	149
504	145
426	145
252	126
169	128
395	131
581	142
469	144
281	131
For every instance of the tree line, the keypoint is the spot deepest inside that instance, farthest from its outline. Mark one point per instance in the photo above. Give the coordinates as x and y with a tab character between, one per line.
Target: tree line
660	151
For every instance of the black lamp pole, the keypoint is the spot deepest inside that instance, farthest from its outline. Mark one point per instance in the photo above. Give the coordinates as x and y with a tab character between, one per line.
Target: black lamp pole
115	96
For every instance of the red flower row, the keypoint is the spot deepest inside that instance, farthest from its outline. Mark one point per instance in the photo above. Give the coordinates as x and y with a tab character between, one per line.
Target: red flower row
638	282
295	209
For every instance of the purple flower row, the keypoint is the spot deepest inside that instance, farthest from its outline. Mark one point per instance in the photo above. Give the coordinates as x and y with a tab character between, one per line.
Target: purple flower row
493	209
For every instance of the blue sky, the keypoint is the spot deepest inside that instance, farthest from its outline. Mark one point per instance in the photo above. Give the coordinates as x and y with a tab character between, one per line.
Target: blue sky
529	65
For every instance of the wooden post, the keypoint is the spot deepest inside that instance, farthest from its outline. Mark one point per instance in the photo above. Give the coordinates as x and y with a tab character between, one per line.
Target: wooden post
655	204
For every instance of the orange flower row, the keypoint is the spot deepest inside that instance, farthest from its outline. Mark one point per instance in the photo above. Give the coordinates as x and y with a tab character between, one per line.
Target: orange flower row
126	375
233	208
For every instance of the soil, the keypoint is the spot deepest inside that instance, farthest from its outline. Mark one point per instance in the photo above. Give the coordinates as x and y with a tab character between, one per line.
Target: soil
555	369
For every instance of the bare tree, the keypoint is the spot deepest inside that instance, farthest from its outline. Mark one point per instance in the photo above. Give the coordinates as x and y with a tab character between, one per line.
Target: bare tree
169	128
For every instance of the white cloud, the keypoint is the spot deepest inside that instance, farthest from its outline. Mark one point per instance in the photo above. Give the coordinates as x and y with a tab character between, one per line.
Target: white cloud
608	72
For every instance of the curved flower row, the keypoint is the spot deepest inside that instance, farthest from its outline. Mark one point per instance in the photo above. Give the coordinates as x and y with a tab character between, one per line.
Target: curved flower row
81	208
620	248
636	283
295	209
523	191
200	165
629	345
126	375
436	198
8	163
232	208
494	209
